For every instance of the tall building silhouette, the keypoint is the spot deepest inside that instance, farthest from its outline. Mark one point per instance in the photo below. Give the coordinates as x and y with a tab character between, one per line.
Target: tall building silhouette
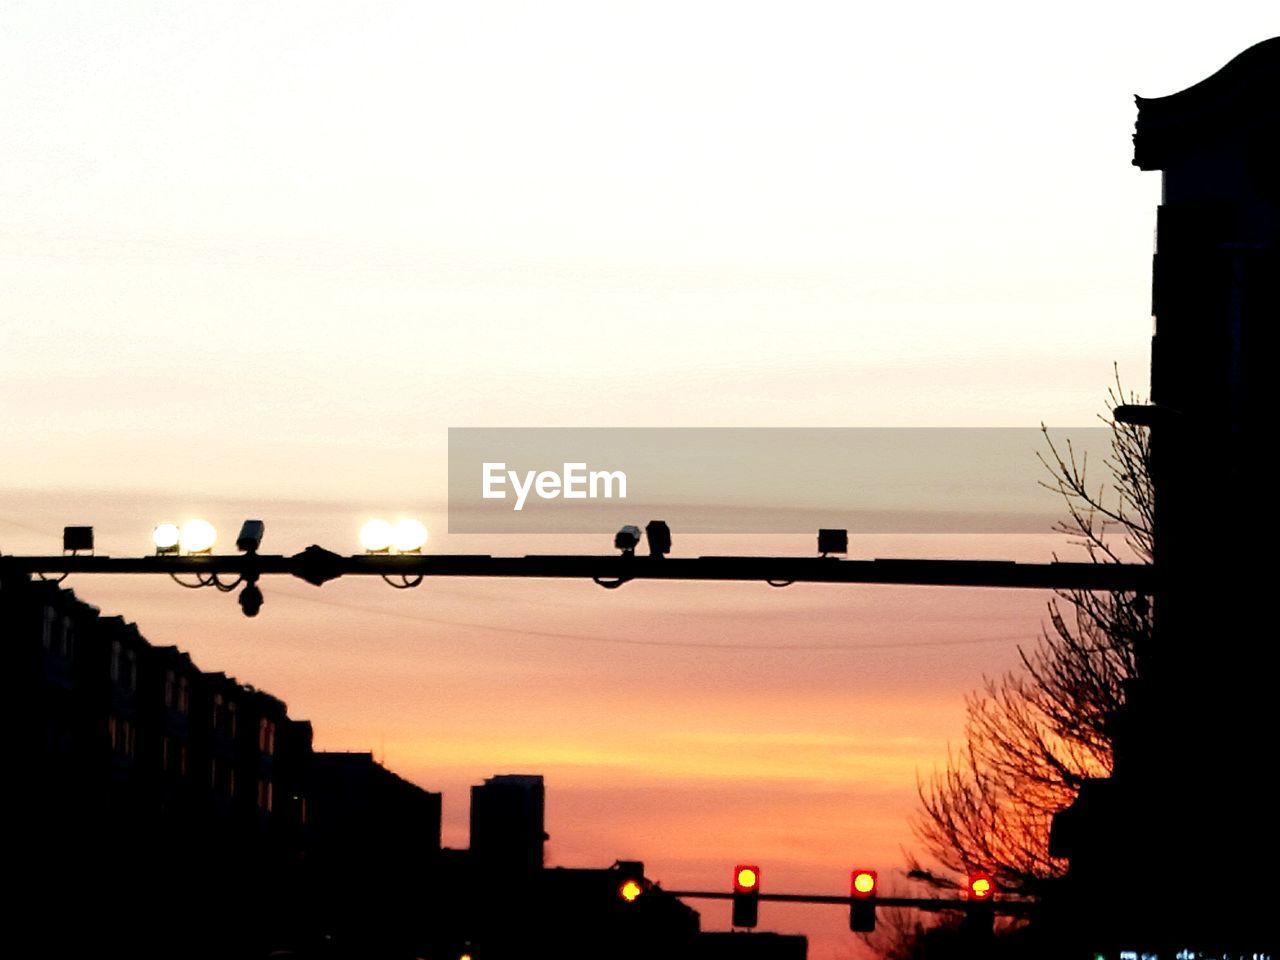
507	828
1175	850
168	811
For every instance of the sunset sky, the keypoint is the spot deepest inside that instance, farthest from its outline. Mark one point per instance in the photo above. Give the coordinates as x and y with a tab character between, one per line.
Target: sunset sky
258	258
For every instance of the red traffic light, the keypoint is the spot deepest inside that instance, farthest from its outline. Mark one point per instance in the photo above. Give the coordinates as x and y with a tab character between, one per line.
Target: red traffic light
982	886
863	884
746	878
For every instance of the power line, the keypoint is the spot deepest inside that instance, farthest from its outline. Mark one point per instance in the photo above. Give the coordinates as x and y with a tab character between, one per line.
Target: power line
639	642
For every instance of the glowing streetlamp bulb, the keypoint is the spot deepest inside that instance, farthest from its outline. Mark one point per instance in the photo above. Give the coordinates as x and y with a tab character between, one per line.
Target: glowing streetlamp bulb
408	536
198	536
375	536
165	537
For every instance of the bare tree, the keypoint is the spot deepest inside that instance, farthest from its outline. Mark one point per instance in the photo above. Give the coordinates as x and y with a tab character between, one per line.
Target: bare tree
1035	734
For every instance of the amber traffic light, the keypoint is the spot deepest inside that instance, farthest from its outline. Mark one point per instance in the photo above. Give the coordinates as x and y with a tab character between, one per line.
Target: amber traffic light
746	895
630	889
863	887
980	917
982	885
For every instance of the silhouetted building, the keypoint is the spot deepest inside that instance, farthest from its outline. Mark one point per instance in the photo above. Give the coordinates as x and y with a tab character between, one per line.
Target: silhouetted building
165	810
360	812
1175	850
507	828
580	914
568	913
373	847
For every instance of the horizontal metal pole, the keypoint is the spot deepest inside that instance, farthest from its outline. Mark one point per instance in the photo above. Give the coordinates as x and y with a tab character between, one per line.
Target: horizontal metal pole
317	566
918	903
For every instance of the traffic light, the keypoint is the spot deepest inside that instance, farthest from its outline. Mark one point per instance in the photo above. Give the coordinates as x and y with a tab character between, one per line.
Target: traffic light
980	917
863	887
982	886
746	895
631	882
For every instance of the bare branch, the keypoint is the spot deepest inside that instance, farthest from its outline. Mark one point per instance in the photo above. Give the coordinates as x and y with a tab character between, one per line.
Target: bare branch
1033	736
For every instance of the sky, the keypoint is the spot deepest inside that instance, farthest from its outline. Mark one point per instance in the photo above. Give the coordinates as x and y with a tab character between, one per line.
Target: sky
258	258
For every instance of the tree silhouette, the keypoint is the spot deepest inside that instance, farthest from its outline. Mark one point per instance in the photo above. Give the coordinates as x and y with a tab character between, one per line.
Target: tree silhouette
1034	734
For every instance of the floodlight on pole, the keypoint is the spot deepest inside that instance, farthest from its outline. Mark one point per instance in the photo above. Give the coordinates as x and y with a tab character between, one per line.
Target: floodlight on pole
197	536
165	537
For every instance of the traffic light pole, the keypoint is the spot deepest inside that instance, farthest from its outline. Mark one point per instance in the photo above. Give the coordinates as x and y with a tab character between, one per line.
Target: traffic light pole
317	566
1013	907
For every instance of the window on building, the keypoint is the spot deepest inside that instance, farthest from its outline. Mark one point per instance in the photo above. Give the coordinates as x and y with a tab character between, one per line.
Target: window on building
129	680
124	666
231	719
184	695
266	736
56	634
265	792
170	689
122	735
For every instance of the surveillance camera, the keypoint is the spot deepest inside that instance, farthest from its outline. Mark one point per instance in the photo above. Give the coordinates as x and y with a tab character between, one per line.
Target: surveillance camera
250	599
659	535
250	536
627	539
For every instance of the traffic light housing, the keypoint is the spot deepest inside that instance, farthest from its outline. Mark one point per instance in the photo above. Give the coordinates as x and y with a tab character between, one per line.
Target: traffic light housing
631	882
864	886
981	887
980	917
746	895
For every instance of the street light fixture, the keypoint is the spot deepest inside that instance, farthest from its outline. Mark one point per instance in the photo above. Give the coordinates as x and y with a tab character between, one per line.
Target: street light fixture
166	536
76	539
197	537
833	541
376	536
408	536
